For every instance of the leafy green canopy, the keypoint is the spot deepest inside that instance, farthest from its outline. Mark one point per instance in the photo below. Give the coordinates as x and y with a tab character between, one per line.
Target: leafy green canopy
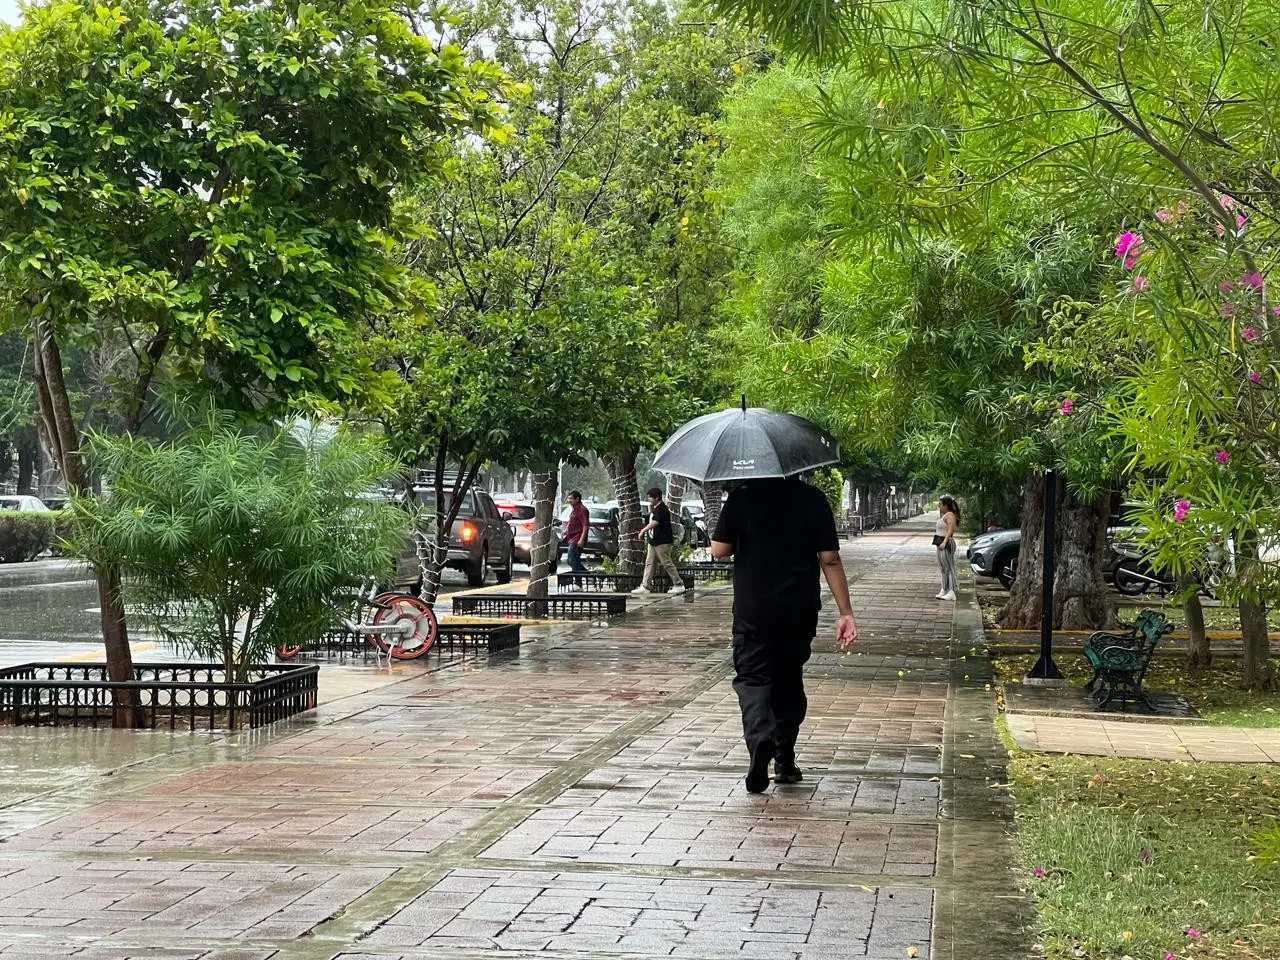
213	181
232	544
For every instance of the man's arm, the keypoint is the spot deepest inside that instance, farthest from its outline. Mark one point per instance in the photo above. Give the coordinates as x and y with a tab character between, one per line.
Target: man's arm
721	551
833	570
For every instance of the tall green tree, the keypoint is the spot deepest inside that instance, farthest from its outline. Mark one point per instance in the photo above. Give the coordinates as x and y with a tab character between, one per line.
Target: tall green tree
213	182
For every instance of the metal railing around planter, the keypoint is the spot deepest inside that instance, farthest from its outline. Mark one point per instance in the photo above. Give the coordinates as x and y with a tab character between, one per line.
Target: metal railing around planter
617	582
187	696
705	572
564	606
479	637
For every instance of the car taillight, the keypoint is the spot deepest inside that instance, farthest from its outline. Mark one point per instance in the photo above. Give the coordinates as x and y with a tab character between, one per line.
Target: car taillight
468	532
527	525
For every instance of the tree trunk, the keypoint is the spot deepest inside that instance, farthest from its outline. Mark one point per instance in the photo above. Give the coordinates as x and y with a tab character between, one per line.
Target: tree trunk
675	499
621	465
54	405
27	455
1257	646
1198	654
545	489
1022	610
1079	592
712	492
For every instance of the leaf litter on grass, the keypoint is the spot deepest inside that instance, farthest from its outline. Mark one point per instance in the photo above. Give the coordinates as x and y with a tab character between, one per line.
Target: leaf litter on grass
1139	858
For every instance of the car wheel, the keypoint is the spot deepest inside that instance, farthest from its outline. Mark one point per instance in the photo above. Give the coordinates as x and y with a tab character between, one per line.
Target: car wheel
504	573
1007	572
478	573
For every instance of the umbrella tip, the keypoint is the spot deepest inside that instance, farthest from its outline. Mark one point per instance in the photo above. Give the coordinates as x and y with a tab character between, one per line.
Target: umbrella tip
744	403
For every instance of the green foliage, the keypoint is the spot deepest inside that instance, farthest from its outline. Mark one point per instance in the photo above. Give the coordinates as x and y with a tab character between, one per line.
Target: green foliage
24	535
216	187
831	482
233	543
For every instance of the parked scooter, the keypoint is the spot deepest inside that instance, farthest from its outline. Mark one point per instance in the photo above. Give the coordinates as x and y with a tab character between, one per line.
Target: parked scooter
1134	575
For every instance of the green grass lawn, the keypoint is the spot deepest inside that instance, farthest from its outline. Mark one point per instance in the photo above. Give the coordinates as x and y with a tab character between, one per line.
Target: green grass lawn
1132	858
1215	693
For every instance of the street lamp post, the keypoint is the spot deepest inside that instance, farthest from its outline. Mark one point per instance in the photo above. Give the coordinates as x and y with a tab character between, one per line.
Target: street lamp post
1045	672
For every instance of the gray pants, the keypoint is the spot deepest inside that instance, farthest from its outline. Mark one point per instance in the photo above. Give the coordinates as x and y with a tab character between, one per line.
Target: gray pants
947	564
660	554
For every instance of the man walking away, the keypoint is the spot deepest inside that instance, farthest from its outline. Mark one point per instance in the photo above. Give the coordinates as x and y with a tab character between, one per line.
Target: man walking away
659	545
780	534
576	531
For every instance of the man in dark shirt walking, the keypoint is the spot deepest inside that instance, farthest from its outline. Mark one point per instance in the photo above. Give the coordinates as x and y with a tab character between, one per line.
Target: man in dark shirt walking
576	531
659	545
780	534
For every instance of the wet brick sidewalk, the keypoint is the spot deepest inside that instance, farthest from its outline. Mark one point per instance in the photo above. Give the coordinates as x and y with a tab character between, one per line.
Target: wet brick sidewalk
583	800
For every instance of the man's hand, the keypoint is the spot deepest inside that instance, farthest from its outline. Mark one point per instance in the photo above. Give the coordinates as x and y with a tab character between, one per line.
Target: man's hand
846	631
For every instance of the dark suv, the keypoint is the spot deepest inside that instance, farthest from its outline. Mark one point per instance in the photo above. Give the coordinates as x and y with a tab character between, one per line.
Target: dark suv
480	541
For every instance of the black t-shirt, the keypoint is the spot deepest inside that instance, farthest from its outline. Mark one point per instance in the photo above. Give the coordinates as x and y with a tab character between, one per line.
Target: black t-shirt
777	529
662	533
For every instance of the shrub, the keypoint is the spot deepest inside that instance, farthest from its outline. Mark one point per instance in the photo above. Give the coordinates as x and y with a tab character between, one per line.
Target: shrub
232	544
24	534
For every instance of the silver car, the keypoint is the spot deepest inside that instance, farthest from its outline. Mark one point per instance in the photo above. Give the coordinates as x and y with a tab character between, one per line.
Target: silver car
480	541
519	516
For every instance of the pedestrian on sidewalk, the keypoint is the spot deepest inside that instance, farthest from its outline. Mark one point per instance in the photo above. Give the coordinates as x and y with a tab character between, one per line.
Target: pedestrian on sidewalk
576	531
661	536
944	538
780	533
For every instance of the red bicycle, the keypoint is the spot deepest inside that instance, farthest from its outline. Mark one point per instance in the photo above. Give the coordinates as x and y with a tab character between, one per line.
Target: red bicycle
395	624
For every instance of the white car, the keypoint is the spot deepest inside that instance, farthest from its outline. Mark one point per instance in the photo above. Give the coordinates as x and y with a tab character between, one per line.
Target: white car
23	502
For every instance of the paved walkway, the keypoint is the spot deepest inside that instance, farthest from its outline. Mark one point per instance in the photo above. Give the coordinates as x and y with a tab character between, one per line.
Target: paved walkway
1144	739
582	801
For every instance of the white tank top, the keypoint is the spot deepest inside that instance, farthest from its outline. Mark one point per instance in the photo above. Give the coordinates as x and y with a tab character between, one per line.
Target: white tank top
941	529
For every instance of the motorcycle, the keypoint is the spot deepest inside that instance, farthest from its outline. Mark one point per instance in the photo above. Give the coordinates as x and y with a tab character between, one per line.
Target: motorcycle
1134	575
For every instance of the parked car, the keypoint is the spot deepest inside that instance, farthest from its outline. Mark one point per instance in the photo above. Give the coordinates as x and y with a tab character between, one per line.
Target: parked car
479	541
22	501
602	537
519	517
995	554
693	516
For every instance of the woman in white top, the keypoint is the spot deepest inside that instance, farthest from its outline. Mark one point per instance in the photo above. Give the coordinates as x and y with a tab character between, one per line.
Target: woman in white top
944	538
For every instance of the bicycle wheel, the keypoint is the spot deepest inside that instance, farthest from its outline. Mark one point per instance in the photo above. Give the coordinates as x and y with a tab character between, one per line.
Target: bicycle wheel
395	608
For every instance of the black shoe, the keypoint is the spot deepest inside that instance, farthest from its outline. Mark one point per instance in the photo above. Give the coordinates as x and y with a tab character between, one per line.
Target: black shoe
786	771
758	772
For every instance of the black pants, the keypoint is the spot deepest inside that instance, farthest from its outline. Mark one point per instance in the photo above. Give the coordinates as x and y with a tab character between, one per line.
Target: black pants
769	663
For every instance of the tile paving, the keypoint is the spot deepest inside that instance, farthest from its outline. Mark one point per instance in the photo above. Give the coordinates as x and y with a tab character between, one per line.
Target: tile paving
583	800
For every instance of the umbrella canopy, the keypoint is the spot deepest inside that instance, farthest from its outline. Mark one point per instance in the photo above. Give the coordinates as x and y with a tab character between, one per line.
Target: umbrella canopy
746	443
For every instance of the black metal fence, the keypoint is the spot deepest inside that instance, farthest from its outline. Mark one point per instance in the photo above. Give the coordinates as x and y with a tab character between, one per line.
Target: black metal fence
564	606
706	572
180	696
616	582
479	637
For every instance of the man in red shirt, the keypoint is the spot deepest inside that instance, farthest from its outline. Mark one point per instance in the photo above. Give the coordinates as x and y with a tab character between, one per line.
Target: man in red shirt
576	530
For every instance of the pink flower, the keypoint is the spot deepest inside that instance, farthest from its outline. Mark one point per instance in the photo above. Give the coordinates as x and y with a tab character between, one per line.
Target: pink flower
1240	219
1180	510
1193	933
1275	311
1066	406
1128	246
1222	456
1255	376
1248	334
1039	872
1227	309
1252	279
1227	202
1226	286
1138	283
1169	956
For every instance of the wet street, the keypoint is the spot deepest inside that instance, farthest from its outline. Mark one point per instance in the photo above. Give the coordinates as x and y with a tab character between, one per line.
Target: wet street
49	611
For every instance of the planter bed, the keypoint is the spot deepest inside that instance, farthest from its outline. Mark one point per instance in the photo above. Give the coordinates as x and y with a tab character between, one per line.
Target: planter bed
615	582
564	606
479	637
177	696
703	572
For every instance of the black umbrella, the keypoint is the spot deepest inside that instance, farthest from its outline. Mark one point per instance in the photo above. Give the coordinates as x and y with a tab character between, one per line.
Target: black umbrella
746	443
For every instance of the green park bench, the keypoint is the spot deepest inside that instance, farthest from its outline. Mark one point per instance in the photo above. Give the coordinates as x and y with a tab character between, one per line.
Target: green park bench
1120	660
